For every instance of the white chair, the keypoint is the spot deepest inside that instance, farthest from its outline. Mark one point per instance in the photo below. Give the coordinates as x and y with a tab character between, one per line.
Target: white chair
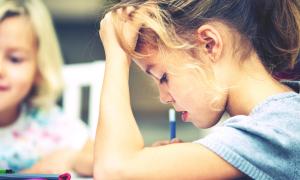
77	76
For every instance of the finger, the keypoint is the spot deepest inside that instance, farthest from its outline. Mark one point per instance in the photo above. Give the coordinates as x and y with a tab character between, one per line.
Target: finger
130	12
126	13
119	11
160	143
176	140
104	19
130	9
107	16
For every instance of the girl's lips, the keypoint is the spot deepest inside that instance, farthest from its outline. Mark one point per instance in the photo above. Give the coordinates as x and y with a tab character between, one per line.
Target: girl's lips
184	116
4	88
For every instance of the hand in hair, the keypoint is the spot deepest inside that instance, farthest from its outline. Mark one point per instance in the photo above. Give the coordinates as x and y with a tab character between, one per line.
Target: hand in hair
119	21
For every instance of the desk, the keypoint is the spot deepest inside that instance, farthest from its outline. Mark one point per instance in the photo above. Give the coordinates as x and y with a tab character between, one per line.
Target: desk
74	176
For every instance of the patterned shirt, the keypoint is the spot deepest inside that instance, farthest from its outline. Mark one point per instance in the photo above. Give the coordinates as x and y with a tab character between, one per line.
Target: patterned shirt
37	133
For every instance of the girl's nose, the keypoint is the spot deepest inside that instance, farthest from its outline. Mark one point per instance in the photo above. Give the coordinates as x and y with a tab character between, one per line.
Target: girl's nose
164	96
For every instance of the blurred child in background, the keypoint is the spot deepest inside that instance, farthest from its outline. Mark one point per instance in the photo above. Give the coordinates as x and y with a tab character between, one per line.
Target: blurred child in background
35	135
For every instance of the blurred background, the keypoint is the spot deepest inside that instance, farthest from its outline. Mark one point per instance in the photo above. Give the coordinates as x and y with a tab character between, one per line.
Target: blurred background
77	24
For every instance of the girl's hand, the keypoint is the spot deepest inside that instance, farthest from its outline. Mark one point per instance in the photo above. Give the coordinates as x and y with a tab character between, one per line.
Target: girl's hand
57	162
166	142
121	21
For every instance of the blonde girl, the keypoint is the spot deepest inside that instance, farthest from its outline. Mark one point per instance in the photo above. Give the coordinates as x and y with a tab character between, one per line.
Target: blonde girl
35	135
207	57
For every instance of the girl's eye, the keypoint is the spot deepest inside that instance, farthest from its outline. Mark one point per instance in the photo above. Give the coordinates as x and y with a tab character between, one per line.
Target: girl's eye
164	78
15	60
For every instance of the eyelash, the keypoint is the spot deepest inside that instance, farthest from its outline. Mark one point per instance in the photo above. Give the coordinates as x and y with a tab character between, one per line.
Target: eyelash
15	60
164	78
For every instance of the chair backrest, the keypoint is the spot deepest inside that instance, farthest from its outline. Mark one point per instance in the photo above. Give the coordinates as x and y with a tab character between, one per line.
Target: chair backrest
77	76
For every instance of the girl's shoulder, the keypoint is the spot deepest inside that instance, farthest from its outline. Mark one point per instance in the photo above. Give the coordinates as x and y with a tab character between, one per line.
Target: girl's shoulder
264	144
45	117
53	118
287	103
280	111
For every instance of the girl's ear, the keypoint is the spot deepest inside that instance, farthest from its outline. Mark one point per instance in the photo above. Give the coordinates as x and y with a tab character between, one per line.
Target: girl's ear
211	41
38	78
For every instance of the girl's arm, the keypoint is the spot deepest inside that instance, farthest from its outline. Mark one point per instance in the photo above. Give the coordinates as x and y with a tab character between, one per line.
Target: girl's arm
119	147
83	163
59	161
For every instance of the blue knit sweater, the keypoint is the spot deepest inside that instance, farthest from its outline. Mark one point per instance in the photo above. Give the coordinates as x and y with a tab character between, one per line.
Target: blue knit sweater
266	143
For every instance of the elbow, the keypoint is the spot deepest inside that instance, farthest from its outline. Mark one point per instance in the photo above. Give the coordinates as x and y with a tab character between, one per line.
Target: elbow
83	165
108	170
84	170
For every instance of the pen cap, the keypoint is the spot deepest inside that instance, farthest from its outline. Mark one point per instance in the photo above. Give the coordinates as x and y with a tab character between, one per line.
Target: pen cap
172	115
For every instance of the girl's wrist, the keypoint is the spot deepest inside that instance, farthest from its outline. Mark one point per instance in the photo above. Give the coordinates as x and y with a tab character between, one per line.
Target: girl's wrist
118	59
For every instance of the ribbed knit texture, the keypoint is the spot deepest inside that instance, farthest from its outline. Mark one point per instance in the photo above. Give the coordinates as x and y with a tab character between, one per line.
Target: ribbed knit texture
264	145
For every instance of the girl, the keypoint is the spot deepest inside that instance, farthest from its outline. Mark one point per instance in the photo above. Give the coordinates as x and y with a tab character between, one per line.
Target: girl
35	136
207	57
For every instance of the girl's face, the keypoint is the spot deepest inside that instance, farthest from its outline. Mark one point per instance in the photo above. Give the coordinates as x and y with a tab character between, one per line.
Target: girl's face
18	66
183	87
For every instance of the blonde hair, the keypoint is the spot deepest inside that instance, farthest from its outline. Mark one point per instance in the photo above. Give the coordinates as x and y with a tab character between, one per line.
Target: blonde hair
269	28
45	93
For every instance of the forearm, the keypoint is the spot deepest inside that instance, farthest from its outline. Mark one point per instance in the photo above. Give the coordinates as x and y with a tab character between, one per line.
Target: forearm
59	161
83	164
118	137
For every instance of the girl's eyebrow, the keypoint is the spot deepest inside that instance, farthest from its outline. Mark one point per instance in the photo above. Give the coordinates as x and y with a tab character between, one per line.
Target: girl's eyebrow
148	70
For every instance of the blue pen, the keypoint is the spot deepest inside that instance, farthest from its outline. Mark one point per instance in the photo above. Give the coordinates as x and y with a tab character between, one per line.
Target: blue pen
172	122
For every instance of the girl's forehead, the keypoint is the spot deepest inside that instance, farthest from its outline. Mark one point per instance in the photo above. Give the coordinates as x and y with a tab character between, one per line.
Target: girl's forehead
150	66
146	65
17	31
156	59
